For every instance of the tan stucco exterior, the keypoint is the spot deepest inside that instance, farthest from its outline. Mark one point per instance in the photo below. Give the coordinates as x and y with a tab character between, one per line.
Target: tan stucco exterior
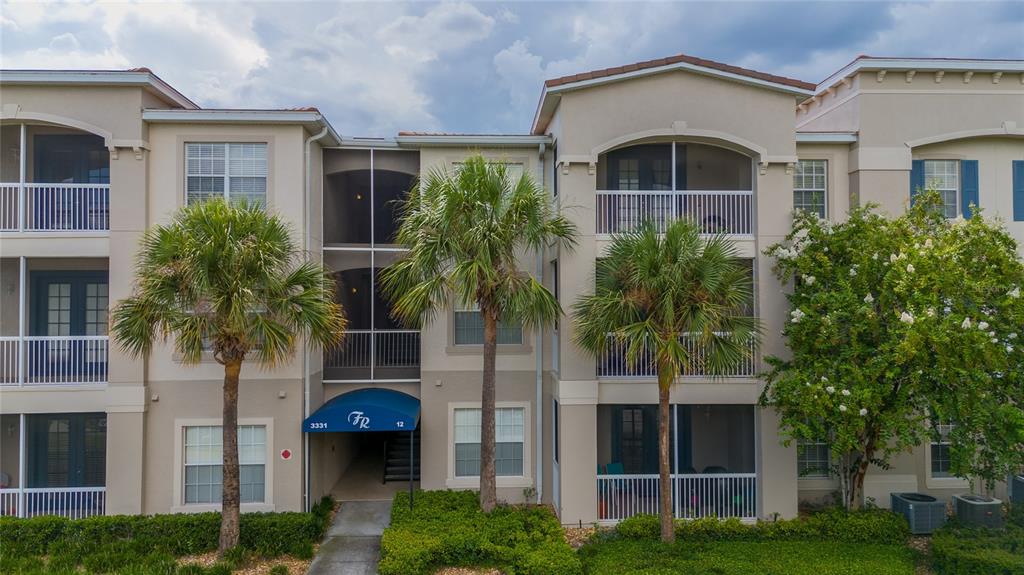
868	127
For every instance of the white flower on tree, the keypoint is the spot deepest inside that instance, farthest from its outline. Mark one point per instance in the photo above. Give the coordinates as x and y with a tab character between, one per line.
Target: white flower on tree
797	315
830	389
966	324
1014	293
906	318
842	408
846	392
809	280
910	268
983	325
869	298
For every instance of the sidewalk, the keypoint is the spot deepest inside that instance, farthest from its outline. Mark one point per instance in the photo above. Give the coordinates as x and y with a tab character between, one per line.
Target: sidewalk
352	545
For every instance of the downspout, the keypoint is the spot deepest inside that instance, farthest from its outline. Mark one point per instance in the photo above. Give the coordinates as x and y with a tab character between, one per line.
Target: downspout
307	218
539	354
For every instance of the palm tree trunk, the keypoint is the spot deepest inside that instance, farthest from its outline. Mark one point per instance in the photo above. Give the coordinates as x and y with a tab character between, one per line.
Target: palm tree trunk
668	532
230	493
488	481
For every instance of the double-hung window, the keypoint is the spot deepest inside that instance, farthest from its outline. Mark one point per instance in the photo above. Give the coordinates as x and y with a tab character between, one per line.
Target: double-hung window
812	459
944	177
810	186
941	463
234	171
204	458
509	430
469	328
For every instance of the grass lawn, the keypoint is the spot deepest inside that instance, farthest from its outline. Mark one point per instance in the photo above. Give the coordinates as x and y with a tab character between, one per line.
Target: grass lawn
642	557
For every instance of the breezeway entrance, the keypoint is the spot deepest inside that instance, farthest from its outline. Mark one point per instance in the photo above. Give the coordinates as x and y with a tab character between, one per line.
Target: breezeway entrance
374	434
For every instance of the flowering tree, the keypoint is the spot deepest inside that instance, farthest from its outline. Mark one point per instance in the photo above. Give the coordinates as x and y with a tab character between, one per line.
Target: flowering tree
898	325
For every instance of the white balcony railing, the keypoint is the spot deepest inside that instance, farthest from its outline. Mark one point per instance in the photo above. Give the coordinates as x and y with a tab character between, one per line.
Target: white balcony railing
694	496
54	360
70	502
727	212
54	207
382	348
613	363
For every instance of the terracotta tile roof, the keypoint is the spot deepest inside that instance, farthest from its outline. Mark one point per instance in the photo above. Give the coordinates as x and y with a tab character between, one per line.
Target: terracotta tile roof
681	58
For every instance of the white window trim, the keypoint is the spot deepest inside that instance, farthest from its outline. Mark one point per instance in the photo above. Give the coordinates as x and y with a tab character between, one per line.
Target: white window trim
956	189
521	481
521	348
940	482
828	186
182	158
178	504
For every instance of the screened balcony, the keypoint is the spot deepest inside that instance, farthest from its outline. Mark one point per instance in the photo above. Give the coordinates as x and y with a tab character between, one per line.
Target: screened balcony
375	347
56	466
53	179
53	330
711	450
659	182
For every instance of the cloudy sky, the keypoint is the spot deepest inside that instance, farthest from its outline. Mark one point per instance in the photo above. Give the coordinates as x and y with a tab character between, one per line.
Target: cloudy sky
378	68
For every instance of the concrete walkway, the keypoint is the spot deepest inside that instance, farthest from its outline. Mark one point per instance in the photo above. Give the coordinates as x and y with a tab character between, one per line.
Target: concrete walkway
352	545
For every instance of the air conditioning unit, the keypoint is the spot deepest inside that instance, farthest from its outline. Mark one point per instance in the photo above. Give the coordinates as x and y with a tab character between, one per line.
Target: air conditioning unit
1016	489
979	510
924	513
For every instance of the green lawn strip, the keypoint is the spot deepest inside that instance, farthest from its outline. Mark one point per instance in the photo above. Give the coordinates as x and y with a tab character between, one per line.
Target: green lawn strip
644	557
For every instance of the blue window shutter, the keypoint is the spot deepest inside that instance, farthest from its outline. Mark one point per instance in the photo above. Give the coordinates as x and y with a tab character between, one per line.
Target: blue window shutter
968	186
916	178
1018	190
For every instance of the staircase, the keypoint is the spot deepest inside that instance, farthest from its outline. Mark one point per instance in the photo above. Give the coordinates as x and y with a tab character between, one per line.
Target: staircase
396	456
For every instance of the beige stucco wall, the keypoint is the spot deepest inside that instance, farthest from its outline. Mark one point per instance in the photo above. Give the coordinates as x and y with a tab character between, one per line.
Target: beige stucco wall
193	401
687	108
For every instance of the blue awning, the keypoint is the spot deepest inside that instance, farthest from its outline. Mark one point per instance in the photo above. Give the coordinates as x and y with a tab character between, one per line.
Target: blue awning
371	409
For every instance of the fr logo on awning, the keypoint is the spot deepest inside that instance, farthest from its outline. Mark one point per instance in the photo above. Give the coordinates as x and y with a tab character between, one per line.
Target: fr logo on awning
358	420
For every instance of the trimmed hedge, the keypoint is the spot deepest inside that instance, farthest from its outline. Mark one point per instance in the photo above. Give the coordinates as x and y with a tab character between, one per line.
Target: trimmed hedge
961	550
617	555
836	525
447	528
149	543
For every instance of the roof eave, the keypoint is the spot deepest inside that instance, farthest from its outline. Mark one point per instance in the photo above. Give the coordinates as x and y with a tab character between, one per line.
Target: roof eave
312	120
504	140
867	64
144	79
546	106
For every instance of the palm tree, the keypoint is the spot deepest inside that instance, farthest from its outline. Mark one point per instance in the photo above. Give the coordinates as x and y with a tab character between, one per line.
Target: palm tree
229	279
466	232
655	294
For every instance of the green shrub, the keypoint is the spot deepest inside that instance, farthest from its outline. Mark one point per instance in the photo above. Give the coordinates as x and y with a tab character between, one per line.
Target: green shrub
869	526
960	550
447	528
617	555
191	569
140	544
279	570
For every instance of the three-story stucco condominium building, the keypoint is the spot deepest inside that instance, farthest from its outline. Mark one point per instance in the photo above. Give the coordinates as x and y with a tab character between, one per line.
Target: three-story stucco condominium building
91	159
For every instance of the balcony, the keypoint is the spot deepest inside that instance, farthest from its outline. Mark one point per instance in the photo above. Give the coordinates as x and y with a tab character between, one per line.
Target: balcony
70	502
711	458
53	360
663	181
613	365
56	331
375	355
57	465
35	207
53	179
716	212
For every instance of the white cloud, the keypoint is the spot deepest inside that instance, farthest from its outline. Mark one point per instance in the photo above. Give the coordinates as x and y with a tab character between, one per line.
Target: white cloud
375	68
